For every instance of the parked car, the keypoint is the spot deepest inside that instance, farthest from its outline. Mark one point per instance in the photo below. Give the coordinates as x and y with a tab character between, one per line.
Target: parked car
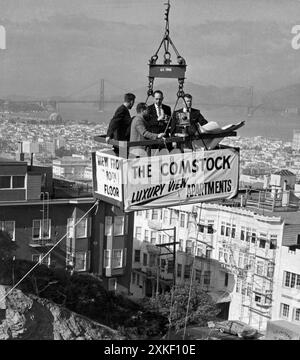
238	328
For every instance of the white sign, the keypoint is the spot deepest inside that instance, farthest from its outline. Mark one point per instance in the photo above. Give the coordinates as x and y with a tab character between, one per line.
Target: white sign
109	176
180	179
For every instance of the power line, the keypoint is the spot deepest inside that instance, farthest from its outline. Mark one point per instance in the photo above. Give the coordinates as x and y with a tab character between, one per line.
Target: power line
44	256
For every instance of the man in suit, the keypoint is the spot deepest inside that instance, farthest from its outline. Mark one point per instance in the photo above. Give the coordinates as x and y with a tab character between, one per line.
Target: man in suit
189	116
119	126
158	113
139	129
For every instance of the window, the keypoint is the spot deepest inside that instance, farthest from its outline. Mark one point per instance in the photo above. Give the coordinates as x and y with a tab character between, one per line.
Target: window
223	228
179	270
108	225
187	271
153	237
220	255
41	229
284	309
198	275
189	246
226	257
253	238
208	253
5	182
9	227
273	242
227	230
116	261
201	228
145	259
12	182
137	255
170	267
260	267
287	276
262	240
206	278
257	298
147	214
38	258
291	280
81	229
226	279
146	237
165	239
242	234
80	261
210	229
298	282
119	225
107	258
262	243
152	258
297	314
154	214
233	230
18	182
182	220
138	279
138	233
248	235
163	264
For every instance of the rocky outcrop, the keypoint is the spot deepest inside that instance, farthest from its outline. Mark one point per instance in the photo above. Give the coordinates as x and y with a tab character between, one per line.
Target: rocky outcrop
32	318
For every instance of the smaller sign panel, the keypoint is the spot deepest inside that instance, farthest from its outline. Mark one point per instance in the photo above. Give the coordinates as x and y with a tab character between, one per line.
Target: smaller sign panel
108	176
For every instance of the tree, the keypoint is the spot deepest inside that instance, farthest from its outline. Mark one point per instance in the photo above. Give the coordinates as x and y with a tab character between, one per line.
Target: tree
7	246
174	305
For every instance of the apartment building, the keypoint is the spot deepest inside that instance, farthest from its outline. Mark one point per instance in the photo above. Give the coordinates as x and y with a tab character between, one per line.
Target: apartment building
37	217
155	232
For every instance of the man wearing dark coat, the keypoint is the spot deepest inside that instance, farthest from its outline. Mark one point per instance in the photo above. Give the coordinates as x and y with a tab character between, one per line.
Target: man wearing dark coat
119	126
158	113
188	115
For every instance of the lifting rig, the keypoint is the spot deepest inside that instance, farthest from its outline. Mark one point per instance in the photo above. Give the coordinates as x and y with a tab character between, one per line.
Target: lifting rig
103	159
167	70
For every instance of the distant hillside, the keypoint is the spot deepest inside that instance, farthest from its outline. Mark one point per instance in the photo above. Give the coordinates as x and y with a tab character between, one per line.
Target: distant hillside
288	96
202	94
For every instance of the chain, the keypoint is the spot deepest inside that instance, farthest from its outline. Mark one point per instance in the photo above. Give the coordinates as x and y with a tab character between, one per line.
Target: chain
166	42
180	92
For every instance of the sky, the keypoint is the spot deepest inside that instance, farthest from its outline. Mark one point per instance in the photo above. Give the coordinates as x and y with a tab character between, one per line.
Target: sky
58	47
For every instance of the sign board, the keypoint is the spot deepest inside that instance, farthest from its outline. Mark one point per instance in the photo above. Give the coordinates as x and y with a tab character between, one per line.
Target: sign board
107	176
167	71
172	179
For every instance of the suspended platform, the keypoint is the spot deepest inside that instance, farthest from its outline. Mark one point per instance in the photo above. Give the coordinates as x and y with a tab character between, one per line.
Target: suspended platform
163	176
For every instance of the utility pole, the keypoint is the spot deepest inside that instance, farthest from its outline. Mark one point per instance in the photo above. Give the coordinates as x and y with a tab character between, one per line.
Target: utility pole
173	243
